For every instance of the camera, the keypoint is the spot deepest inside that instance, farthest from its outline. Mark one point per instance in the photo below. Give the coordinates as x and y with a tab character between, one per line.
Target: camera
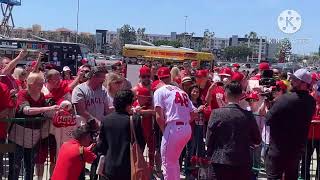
93	128
267	79
267	82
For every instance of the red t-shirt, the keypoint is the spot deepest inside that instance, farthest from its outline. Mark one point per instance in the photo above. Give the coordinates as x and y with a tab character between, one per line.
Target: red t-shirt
21	84
6	102
146	122
204	91
314	130
217	92
9	81
70	163
58	94
67	81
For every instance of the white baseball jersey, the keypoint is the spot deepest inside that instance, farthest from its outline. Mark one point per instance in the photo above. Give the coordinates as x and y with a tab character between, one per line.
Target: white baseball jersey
174	102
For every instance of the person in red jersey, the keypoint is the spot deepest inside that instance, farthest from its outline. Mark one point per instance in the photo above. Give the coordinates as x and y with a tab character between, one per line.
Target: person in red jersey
215	97
20	75
55	91
145	78
225	74
186	71
75	153
143	108
6	107
6	69
235	67
202	80
262	67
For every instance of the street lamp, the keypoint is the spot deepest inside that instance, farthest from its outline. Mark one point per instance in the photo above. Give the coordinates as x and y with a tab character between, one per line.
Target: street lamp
185	31
78	21
185	23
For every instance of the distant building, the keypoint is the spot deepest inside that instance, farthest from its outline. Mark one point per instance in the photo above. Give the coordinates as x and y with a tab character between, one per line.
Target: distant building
60	35
36	28
273	49
220	43
254	44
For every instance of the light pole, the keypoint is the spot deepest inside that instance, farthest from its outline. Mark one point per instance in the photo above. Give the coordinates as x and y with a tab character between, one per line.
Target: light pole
78	21
185	31
185	24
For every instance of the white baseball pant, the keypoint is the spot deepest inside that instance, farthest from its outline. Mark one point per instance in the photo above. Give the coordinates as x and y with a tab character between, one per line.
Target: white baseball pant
174	139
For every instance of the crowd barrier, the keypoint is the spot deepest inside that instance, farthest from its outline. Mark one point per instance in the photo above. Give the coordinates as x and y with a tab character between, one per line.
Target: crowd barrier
29	151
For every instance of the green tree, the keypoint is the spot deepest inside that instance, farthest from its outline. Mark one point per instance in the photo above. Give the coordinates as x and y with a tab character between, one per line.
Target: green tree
141	34
207	39
284	50
127	35
237	53
168	43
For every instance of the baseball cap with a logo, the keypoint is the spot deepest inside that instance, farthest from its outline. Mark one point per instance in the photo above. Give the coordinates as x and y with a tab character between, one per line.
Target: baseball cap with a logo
163	72
303	75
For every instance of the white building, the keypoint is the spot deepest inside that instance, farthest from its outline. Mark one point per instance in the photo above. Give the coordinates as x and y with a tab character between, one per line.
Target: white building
220	43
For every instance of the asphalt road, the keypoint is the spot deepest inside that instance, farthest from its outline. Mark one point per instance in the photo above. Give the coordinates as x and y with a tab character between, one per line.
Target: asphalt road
133	73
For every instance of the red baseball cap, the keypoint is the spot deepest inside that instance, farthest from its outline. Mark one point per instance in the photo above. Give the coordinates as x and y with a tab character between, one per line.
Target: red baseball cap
237	76
236	65
163	72
264	66
143	92
145	71
225	72
202	73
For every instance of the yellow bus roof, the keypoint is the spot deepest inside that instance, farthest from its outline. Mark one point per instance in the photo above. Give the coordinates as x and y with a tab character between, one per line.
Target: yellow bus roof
171	50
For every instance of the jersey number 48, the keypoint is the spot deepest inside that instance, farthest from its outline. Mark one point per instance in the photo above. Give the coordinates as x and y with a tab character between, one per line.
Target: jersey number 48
182	99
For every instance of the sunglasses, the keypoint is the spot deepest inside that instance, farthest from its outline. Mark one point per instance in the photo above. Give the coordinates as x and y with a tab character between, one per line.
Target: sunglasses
143	77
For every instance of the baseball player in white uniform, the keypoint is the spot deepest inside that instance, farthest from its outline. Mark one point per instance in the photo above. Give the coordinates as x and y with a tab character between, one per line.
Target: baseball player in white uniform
173	114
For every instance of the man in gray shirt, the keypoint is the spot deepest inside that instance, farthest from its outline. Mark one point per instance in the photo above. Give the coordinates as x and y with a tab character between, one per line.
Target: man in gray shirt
90	98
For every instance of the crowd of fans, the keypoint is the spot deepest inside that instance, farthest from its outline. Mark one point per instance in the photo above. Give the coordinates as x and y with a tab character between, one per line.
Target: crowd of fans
101	100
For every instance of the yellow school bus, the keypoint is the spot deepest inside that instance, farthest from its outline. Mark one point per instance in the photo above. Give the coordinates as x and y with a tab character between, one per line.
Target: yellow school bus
165	54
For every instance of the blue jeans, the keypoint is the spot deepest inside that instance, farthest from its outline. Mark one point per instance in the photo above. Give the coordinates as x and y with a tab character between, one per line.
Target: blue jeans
25	154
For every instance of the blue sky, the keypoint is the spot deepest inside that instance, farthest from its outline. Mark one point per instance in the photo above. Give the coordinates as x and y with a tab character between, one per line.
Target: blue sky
224	17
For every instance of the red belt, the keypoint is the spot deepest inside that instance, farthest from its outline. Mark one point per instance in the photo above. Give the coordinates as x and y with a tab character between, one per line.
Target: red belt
179	123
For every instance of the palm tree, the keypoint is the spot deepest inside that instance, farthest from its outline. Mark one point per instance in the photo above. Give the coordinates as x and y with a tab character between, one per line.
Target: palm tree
251	36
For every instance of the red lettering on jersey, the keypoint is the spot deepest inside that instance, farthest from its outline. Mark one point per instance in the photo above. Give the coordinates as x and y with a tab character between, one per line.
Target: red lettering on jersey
181	98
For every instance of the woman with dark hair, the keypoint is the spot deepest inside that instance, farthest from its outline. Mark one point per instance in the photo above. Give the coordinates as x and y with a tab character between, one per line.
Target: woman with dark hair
66	75
114	142
196	146
75	153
